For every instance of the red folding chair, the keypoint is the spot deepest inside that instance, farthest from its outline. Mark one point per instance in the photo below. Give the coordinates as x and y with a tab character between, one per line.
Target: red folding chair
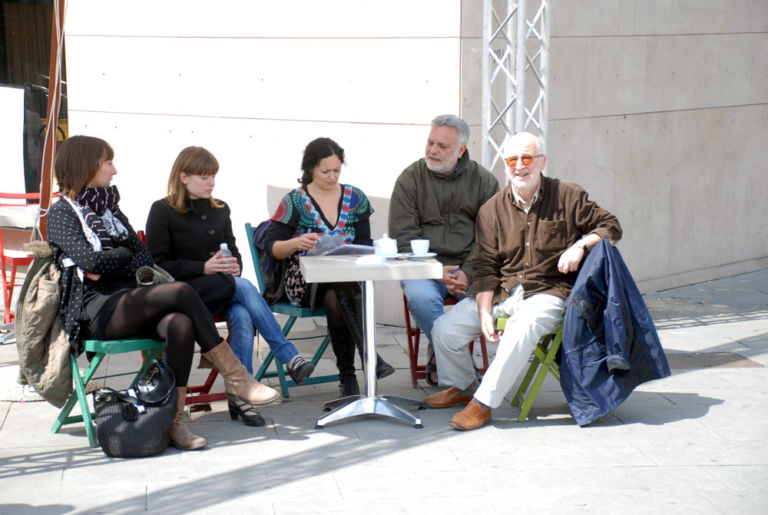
201	394
13	258
414	333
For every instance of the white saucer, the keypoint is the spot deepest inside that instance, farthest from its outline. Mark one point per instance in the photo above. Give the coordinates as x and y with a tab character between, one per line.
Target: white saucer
396	256
428	255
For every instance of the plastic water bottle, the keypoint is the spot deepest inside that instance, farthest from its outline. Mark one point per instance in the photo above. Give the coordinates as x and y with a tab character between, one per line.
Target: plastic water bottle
225	252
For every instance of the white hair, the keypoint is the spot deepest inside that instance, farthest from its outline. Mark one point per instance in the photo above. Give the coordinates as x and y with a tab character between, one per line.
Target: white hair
514	140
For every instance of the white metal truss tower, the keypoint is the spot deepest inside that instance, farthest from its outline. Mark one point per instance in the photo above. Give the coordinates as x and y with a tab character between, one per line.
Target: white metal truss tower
515	74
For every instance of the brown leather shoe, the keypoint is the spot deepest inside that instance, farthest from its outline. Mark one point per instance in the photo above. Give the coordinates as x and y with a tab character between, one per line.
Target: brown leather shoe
447	398
471	417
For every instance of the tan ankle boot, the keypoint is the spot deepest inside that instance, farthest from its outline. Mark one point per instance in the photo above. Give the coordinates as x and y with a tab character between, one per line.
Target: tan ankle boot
237	380
181	437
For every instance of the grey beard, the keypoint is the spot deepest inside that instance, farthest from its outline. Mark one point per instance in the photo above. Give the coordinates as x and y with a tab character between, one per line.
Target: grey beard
440	170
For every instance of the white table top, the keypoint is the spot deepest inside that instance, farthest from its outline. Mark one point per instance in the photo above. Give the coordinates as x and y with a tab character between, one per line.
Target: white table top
23	217
331	269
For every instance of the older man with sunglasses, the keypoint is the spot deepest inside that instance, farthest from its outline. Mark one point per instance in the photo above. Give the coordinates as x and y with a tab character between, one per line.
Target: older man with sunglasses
531	239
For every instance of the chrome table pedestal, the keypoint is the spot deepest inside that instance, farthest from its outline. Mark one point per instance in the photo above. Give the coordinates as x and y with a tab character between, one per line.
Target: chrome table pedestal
343	269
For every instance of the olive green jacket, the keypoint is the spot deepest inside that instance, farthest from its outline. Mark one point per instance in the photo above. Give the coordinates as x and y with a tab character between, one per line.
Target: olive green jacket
440	208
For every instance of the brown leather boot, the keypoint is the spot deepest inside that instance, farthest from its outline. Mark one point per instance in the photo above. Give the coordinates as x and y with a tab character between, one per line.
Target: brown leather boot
447	398
181	437
471	417
237	380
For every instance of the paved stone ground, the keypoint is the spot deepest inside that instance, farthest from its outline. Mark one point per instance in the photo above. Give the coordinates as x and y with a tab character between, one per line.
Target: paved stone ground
696	442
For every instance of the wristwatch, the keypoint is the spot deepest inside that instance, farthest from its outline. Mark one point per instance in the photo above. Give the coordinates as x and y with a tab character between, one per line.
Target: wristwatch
584	246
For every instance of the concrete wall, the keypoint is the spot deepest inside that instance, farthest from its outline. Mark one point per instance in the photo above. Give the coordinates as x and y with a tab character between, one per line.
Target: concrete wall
657	108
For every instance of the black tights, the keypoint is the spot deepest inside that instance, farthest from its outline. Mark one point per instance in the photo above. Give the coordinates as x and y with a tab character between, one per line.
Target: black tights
172	312
332	308
333	313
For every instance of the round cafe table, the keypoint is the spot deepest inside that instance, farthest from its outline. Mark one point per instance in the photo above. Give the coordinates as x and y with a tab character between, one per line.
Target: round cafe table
319	269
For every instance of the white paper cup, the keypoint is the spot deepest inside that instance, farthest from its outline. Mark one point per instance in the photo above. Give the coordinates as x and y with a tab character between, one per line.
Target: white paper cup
419	247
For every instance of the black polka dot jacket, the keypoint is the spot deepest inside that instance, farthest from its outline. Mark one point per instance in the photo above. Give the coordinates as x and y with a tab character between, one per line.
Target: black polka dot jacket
67	239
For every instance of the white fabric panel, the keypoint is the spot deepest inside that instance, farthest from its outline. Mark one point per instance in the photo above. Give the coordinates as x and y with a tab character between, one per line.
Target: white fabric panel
12	140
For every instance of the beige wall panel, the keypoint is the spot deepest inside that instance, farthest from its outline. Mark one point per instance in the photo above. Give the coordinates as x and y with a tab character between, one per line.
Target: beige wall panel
605	76
472	81
688	187
265	18
472	19
381	81
638	17
252	154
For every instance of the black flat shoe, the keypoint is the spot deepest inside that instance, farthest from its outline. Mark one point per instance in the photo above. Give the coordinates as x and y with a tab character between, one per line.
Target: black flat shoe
244	410
383	369
430	369
300	370
349	387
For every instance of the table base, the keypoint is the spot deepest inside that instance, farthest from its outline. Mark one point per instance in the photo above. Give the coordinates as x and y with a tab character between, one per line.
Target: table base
384	406
344	269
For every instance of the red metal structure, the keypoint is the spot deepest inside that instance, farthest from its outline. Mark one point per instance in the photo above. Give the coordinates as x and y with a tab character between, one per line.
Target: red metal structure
54	104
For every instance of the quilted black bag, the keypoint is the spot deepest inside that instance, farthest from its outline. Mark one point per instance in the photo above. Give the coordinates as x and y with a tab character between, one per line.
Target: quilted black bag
135	422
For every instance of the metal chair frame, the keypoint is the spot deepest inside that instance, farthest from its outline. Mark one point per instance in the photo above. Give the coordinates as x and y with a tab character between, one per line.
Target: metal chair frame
413	334
13	258
294	313
201	394
150	349
544	362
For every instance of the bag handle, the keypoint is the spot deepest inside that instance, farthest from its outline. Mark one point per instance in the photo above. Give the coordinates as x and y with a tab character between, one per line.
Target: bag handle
132	399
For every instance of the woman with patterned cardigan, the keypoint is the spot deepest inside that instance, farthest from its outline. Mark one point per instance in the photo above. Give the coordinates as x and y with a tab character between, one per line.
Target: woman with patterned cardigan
323	207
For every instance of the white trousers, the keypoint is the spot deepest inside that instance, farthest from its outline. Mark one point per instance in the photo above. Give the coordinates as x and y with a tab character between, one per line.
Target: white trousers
529	320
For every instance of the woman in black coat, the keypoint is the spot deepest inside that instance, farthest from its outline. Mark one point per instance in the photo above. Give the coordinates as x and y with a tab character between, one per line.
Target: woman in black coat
184	233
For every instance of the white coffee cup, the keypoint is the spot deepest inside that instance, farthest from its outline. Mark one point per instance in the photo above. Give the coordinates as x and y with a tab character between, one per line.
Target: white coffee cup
419	247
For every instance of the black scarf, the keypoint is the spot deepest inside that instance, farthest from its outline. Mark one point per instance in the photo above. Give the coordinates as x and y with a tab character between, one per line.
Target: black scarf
95	202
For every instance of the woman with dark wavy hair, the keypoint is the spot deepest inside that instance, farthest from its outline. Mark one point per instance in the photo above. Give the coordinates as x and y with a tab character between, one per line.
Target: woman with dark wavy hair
323	206
98	254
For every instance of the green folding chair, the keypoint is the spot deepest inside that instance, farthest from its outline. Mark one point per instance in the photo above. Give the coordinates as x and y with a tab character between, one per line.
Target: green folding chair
544	362
293	313
150	349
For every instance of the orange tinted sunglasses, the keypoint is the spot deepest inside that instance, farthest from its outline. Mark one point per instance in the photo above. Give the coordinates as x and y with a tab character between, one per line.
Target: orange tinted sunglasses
526	159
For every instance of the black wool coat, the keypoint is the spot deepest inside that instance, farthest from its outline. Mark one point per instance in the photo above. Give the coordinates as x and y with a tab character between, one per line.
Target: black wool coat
181	243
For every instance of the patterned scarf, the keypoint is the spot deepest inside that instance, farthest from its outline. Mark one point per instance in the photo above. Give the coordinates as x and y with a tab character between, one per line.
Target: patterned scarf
98	206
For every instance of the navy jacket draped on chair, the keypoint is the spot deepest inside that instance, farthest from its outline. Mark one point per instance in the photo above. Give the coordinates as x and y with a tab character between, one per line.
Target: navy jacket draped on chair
610	344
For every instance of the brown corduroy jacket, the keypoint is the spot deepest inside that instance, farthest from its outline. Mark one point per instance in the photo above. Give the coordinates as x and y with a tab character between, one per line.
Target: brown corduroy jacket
515	247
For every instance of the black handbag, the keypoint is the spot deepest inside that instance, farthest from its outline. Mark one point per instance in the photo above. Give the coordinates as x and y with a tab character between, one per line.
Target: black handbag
135	422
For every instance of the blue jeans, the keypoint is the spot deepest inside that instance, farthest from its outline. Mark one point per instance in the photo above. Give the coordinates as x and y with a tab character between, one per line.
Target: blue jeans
425	301
249	311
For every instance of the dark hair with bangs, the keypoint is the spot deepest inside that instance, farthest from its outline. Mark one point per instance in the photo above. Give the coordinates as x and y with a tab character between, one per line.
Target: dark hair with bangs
77	162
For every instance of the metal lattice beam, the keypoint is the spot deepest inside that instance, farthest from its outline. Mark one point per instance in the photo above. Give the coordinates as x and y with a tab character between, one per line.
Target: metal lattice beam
515	74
